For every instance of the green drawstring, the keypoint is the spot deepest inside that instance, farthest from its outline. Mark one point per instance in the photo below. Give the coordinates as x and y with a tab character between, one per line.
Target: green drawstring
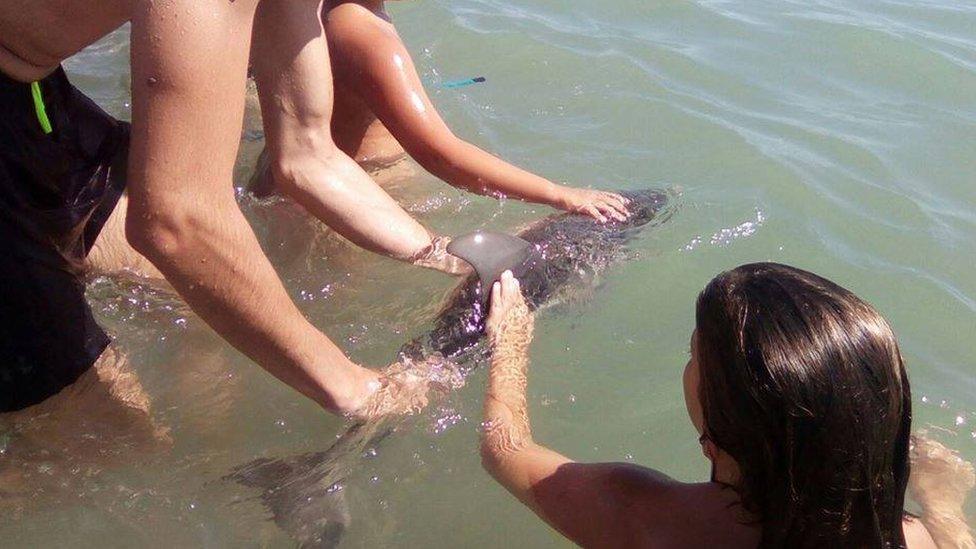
39	107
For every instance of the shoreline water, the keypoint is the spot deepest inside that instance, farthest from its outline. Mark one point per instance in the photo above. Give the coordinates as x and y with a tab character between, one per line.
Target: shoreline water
838	138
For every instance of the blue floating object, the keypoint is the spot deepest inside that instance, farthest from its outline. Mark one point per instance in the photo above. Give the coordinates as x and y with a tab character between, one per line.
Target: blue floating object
463	83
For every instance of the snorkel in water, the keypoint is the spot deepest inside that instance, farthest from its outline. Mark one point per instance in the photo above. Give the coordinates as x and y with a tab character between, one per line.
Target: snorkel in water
551	257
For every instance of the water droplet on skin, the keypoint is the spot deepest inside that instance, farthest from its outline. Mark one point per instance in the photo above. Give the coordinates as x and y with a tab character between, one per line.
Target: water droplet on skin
418	103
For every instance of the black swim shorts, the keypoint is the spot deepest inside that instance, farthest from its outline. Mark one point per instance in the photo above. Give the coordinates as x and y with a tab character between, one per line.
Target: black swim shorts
62	171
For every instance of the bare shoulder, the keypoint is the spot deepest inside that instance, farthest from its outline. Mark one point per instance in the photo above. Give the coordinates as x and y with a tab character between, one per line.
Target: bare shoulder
917	535
634	481
669	513
350	25
365	46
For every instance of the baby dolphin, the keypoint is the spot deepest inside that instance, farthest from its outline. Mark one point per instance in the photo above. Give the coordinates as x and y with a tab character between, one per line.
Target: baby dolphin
550	258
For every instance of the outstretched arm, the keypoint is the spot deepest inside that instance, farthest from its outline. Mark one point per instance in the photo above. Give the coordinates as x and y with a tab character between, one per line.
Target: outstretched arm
291	67
374	62
589	503
189	60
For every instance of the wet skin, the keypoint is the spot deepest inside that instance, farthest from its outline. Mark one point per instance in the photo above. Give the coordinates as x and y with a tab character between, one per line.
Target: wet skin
382	109
571	253
182	213
607	504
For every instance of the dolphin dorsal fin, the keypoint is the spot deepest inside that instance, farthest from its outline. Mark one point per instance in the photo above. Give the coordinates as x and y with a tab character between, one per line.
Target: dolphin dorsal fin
491	253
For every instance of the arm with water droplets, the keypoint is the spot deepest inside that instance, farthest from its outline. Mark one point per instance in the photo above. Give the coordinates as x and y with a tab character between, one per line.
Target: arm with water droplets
586	502
371	59
506	429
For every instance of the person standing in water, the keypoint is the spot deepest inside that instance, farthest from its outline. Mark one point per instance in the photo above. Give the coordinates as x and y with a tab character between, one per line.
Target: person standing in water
800	396
383	112
64	164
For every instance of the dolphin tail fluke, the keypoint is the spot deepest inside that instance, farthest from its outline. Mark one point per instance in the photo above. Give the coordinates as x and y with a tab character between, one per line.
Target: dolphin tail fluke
305	493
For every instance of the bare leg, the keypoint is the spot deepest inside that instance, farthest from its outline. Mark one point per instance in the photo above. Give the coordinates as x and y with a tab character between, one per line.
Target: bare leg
101	418
940	482
112	253
395	174
389	176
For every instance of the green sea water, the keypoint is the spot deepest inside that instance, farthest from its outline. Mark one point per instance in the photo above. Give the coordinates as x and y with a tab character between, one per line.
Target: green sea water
838	136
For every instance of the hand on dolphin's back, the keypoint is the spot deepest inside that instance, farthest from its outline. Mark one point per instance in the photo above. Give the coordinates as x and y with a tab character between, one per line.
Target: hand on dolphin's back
509	314
405	387
600	205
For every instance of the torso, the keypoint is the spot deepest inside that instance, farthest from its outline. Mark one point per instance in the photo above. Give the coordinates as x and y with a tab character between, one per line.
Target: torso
37	35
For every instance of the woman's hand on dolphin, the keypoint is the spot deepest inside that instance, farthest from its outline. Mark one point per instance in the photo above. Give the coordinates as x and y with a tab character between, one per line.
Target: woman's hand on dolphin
508	316
600	205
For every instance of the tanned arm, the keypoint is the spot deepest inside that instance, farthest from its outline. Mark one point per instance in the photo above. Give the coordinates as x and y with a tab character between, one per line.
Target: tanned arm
189	61
590	504
374	62
292	70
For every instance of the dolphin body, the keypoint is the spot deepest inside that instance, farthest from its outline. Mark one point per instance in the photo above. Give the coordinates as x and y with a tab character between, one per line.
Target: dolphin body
304	492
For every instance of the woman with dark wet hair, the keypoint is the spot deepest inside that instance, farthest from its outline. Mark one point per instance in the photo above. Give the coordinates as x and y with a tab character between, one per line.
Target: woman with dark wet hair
800	395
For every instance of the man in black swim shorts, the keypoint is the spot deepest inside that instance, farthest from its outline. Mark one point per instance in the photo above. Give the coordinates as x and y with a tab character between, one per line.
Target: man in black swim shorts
62	170
61	165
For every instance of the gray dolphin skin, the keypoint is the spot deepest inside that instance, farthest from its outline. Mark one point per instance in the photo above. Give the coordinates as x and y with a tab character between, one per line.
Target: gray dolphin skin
492	253
550	258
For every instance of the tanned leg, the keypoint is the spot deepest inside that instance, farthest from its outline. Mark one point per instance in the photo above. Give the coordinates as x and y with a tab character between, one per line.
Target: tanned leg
100	420
112	253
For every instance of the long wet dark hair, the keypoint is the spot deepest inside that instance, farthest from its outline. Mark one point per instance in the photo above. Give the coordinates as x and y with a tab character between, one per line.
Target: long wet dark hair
802	383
